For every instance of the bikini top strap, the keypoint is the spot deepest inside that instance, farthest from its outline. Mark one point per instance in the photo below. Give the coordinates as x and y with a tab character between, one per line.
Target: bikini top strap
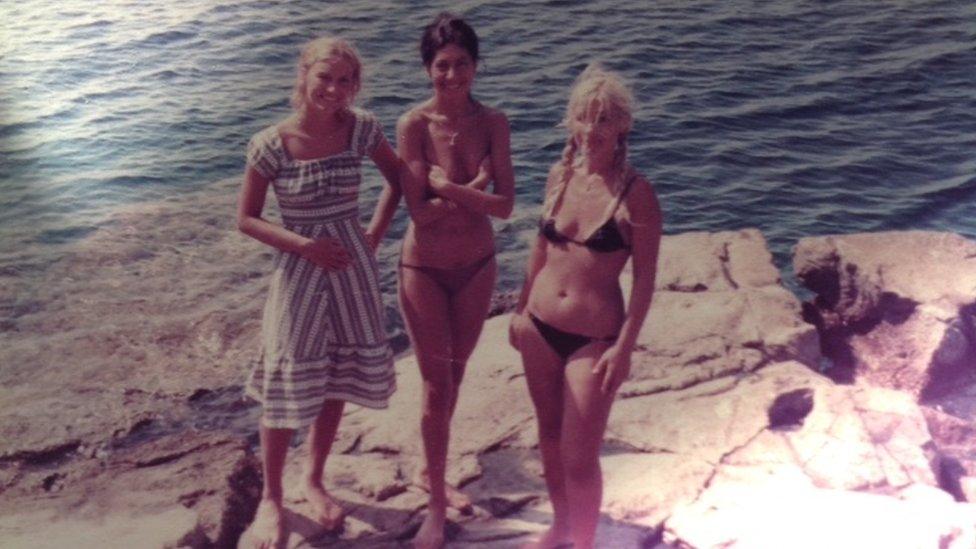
560	192
615	203
631	177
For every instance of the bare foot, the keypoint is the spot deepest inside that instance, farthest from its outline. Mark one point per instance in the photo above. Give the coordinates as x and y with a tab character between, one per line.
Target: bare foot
327	510
268	528
456	499
553	538
431	532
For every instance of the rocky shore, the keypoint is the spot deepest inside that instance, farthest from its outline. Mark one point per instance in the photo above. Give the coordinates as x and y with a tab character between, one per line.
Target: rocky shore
751	420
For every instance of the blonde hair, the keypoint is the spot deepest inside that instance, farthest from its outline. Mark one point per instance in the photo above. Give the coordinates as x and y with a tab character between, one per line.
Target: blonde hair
326	47
611	95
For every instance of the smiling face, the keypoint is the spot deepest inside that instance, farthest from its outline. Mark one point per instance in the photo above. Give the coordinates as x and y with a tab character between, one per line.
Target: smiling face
452	71
330	84
324	62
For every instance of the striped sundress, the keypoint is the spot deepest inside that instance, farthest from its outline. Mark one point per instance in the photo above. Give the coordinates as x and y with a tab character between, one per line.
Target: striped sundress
323	333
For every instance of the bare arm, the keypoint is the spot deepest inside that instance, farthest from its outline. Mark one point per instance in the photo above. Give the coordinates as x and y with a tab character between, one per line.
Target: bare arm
389	165
479	182
537	258
500	203
484	176
327	253
413	174
645	223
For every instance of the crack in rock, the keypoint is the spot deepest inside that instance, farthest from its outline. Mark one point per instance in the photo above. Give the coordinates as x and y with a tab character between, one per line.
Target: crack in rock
724	258
734	378
44	456
721	461
167	458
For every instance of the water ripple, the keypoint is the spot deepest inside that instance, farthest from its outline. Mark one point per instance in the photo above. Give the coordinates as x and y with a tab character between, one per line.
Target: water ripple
790	116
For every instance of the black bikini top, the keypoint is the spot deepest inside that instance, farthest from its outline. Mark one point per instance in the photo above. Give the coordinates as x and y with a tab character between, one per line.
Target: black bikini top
606	238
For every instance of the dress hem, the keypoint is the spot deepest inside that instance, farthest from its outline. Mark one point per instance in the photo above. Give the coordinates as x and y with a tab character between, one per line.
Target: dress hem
301	423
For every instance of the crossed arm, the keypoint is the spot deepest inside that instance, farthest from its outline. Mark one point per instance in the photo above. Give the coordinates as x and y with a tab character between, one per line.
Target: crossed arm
417	175
325	252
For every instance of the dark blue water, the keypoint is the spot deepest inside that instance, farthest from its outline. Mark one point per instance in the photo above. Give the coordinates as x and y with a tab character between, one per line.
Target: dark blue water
799	118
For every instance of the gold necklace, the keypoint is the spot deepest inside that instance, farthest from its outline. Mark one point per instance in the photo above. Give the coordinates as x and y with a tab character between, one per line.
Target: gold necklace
453	138
452	135
442	120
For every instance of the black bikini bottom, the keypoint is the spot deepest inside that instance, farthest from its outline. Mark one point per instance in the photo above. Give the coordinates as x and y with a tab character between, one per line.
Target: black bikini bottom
452	280
564	343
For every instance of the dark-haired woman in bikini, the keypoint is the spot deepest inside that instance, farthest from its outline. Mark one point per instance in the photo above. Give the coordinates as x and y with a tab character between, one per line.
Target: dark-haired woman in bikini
453	147
572	327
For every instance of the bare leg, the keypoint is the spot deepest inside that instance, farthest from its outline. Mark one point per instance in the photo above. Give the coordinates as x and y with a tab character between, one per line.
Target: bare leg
425	311
455	498
468	310
585	412
268	528
544	375
327	510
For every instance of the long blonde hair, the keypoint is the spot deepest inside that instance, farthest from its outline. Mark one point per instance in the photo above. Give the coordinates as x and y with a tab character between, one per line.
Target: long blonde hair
612	96
316	50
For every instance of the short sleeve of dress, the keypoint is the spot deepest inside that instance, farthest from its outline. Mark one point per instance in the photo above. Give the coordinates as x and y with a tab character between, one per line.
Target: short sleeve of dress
371	134
262	155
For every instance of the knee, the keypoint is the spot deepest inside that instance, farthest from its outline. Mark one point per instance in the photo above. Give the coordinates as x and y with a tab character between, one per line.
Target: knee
438	394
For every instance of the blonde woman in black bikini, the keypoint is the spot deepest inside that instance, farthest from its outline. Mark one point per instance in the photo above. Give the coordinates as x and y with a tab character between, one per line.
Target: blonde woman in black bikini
452	147
571	326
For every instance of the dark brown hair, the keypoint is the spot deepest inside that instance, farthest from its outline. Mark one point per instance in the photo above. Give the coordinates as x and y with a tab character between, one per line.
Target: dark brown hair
447	28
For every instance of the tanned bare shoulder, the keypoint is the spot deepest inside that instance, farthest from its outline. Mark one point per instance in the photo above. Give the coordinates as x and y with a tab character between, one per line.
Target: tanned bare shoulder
495	117
412	118
641	202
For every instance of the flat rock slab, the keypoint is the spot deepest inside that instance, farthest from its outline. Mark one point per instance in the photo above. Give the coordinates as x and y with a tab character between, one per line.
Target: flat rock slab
213	478
751	516
710	419
722	316
719	261
173	527
719	310
722	409
693	337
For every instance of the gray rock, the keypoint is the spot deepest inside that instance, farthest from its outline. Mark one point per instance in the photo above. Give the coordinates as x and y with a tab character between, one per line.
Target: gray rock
214	479
724	433
779	513
174	526
894	309
720	261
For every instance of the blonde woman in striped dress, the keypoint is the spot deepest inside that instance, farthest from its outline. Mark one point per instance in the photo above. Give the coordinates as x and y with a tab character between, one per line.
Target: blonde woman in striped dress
323	331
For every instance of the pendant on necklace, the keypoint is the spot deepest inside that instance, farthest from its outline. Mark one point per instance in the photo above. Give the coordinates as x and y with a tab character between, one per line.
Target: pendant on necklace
453	138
